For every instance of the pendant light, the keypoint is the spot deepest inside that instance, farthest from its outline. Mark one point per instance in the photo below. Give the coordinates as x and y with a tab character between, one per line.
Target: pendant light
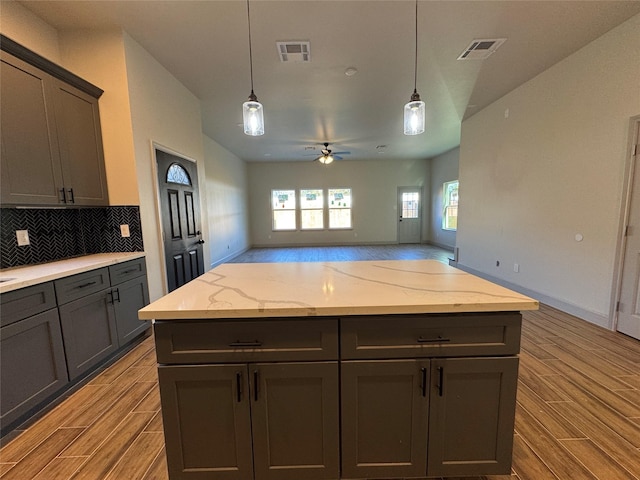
414	111
252	111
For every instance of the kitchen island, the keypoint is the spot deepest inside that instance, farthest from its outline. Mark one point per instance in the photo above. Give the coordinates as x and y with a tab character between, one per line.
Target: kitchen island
372	369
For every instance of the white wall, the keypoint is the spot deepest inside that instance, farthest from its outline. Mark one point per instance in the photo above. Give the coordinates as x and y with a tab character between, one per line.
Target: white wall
444	168
374	186
553	169
22	26
165	112
227	199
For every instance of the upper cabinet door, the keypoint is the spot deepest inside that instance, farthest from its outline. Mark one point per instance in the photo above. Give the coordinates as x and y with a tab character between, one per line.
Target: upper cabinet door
81	154
30	167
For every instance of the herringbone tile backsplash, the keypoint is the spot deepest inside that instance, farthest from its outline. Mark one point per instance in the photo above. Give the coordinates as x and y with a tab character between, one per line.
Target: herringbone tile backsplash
55	234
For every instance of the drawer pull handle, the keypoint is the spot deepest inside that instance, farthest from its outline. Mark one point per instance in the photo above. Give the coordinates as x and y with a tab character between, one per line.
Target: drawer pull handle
239	386
85	285
440	380
238	343
72	197
423	386
64	195
131	270
117	291
433	340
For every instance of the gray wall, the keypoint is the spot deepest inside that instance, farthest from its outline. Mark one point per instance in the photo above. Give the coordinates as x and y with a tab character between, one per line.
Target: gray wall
374	185
546	163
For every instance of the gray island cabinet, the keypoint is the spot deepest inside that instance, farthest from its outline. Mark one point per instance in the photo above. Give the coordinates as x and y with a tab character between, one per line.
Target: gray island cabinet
338	370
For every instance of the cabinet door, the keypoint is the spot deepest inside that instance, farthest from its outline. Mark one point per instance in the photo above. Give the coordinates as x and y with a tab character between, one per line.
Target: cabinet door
295	420
81	152
384	418
31	363
30	169
129	297
472	416
207	426
88	330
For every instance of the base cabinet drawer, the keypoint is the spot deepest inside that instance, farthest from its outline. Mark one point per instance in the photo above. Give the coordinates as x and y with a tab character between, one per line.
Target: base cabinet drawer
89	331
267	421
32	365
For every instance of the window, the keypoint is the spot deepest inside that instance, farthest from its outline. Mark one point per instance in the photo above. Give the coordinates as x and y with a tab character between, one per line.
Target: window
311	209
450	204
339	208
283	206
177	174
410	204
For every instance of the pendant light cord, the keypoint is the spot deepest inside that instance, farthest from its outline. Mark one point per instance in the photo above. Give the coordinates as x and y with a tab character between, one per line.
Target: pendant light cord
415	70
250	53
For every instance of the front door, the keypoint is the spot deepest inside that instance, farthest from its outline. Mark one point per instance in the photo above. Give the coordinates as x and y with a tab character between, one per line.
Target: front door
629	306
180	209
409	213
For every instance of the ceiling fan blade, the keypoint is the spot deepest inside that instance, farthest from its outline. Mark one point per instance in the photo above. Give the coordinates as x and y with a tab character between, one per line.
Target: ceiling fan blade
341	153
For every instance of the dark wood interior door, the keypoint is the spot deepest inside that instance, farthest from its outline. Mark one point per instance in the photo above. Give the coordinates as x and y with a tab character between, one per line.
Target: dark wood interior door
180	209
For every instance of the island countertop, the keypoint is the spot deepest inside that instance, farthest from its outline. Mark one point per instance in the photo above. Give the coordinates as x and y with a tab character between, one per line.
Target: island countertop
308	289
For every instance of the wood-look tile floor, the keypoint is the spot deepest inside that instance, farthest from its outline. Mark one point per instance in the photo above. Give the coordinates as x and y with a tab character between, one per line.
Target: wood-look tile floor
577	417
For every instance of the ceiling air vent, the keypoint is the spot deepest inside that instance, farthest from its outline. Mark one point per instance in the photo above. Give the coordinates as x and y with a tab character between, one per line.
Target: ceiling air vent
481	48
294	51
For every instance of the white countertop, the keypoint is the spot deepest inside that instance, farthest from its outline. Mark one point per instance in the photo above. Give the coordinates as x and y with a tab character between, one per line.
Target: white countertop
255	290
34	274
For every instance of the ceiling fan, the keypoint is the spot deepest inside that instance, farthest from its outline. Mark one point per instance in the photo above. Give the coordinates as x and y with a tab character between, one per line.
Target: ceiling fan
329	156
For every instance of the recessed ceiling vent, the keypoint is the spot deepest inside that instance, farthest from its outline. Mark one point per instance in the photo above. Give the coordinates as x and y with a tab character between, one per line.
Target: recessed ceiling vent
294	51
481	48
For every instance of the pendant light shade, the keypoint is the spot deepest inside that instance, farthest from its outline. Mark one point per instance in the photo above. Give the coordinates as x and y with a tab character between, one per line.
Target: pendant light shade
252	111
414	115
253	116
326	159
414	111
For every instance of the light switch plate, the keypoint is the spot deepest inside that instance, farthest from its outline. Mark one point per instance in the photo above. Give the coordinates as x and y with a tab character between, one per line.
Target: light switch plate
23	237
124	230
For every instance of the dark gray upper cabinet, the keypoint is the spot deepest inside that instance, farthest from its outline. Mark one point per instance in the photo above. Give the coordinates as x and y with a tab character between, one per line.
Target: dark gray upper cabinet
51	139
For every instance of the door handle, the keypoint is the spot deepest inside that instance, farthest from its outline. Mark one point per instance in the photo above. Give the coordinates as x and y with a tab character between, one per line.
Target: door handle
72	198
440	380
200	242
239	386
423	386
255	385
64	196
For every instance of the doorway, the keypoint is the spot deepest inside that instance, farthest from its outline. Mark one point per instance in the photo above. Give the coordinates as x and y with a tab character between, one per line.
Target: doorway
409	214
628	306
180	211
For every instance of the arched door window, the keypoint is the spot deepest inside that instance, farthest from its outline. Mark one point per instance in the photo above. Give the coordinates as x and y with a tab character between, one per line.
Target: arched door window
177	174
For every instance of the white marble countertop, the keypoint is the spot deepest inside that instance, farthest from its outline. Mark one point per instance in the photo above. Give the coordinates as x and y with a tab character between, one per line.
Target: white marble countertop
20	277
258	290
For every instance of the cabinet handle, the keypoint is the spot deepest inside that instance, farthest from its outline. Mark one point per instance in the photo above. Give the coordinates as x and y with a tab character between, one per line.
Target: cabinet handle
131	270
110	293
424	381
64	195
118	292
72	199
238	343
255	385
440	380
433	340
85	285
239	386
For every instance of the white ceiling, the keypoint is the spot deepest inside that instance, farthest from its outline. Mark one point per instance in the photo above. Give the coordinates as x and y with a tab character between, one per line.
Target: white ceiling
205	45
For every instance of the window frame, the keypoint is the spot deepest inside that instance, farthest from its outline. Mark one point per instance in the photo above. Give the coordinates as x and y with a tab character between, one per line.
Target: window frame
350	208
302	209
447	204
274	210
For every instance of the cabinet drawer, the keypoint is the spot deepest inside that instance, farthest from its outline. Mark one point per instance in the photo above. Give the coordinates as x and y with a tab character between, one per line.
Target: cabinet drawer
439	335
126	271
26	302
181	342
77	286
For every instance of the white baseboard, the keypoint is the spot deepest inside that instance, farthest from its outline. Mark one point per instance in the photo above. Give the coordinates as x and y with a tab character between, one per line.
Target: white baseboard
570	308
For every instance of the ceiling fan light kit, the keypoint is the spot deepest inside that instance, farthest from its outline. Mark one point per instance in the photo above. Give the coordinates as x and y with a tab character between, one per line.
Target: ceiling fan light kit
414	111
252	111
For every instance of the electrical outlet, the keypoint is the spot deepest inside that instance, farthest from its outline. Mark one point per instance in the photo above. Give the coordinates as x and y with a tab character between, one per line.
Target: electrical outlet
23	237
124	230
516	267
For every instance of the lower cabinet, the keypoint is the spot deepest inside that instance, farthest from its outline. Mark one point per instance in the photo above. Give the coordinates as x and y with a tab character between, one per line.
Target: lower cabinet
32	365
129	297
385	409
89	331
268	421
471	416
